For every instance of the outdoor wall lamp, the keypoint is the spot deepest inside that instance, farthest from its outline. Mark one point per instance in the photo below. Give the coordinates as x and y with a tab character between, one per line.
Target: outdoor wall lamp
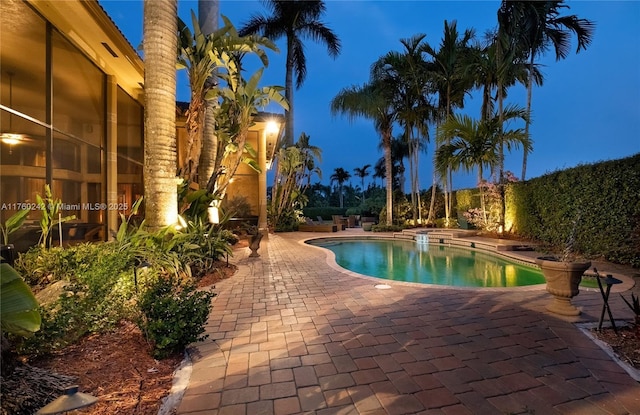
213	212
71	400
272	127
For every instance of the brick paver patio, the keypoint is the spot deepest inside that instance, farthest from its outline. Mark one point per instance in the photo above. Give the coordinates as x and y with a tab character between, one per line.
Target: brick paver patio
290	334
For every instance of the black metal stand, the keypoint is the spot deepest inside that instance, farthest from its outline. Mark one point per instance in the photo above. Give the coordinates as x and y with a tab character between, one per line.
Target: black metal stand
609	281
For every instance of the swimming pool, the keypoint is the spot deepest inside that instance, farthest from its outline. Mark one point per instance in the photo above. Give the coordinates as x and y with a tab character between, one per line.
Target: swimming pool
401	260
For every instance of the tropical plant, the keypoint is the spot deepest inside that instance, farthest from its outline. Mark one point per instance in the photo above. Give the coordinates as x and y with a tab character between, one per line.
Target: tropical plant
536	26
399	152
126	229
94	293
408	71
466	143
499	64
240	103
483	69
19	313
294	20
451	82
634	305
51	218
340	176
205	57
19	308
362	172
295	167
12	224
160	44
311	156
372	101
378	171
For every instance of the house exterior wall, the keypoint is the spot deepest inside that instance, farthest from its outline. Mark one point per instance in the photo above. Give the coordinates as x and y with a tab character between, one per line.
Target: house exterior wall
71	87
71	116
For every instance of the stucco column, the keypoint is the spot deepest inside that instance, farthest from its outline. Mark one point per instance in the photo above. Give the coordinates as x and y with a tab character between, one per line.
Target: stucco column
262	183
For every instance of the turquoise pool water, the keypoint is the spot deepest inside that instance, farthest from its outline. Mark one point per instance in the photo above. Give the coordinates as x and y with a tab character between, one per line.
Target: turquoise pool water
436	264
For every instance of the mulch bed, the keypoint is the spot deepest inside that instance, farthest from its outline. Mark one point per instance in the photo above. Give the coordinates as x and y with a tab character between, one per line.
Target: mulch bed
116	367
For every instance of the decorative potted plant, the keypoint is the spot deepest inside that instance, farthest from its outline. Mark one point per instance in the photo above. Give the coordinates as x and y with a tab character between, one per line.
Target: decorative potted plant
563	275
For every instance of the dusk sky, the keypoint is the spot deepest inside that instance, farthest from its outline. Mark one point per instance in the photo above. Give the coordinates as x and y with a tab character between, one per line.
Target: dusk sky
587	110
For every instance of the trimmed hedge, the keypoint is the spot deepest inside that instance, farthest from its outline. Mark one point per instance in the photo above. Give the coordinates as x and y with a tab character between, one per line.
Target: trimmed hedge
604	199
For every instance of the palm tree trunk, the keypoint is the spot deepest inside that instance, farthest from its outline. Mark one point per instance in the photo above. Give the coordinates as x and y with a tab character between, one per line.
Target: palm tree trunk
389	175
208	11
434	184
232	162
288	113
195	119
483	206
160	44
449	175
417	185
207	164
500	181
528	120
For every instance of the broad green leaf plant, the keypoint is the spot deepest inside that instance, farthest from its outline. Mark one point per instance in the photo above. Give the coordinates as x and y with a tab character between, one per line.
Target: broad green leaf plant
12	224
51	216
205	58
19	313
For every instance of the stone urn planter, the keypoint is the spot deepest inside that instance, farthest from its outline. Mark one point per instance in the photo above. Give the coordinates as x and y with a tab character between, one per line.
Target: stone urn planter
254	244
563	280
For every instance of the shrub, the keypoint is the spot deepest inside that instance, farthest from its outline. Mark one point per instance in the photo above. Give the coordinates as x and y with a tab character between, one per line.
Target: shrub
201	245
605	197
287	221
387	228
173	315
98	292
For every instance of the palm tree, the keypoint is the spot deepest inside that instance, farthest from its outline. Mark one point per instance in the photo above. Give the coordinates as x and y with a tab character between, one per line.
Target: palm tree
372	101
478	143
160	43
452	83
408	71
295	166
294	20
240	104
379	171
491	70
537	25
203	56
340	176
362	172
399	152
310	154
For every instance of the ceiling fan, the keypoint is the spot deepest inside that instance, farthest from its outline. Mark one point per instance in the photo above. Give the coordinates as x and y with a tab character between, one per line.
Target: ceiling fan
10	136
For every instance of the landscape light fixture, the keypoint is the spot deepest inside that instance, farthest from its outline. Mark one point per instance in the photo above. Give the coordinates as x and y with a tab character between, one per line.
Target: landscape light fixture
182	224
141	265
70	401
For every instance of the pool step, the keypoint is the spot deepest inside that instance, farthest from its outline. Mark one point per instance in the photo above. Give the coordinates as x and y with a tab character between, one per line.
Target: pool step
403	235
